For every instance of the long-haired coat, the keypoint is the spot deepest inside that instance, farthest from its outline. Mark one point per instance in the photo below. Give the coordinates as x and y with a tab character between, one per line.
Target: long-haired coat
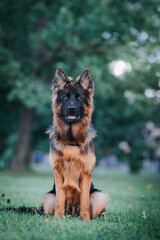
72	152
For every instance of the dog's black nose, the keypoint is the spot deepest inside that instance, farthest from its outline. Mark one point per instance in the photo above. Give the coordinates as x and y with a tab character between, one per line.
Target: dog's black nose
71	108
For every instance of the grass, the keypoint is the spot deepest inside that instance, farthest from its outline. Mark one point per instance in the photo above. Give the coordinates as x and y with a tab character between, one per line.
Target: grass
133	211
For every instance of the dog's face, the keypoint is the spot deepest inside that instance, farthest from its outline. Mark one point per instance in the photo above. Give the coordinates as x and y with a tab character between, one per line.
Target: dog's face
72	99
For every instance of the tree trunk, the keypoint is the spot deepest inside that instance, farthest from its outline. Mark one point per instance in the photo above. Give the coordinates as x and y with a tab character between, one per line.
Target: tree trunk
135	164
22	152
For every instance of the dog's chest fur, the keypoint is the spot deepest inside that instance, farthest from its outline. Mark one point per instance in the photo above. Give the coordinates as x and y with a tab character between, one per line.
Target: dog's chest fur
72	163
79	156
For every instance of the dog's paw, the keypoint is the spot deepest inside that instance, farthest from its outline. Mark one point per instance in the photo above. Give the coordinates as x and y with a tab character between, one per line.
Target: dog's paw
85	215
58	215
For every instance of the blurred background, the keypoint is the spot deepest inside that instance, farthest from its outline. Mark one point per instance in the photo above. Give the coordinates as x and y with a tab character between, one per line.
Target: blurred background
118	40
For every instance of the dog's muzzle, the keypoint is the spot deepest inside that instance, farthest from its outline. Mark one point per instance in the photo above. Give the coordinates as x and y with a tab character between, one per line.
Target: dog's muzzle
72	115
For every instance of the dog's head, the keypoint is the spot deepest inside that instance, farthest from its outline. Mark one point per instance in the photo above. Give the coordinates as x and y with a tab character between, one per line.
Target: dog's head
72	103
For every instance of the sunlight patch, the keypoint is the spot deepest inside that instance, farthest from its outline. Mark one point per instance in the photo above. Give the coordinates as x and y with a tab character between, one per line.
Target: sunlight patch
119	67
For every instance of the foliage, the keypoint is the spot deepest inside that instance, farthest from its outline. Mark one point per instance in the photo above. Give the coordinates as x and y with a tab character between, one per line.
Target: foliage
39	36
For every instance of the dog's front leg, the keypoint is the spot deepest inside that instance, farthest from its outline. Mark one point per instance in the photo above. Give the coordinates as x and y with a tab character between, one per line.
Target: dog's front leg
60	195
84	197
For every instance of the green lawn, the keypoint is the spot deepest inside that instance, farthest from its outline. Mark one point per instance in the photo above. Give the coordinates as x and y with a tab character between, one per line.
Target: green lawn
133	211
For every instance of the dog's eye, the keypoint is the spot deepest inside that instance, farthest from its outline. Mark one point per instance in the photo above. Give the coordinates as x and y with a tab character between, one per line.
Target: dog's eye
67	96
78	96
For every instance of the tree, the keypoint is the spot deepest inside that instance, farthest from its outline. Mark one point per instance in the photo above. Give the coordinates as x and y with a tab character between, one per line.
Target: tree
35	51
37	37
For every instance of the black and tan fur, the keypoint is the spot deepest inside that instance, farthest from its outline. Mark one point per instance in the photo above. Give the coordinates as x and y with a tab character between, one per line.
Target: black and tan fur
72	151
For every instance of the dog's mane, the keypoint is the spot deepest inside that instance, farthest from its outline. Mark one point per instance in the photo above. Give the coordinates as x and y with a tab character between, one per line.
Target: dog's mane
54	136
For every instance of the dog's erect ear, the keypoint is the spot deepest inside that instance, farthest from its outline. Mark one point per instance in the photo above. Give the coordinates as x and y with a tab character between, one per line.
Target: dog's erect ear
85	80
60	79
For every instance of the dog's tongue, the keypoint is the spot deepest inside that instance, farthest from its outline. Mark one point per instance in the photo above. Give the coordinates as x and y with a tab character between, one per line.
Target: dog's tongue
71	117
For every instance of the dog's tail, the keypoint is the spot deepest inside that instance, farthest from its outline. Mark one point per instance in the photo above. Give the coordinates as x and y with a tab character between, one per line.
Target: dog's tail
30	210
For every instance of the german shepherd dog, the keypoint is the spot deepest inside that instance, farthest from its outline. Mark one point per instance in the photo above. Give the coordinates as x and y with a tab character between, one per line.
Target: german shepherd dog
72	152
